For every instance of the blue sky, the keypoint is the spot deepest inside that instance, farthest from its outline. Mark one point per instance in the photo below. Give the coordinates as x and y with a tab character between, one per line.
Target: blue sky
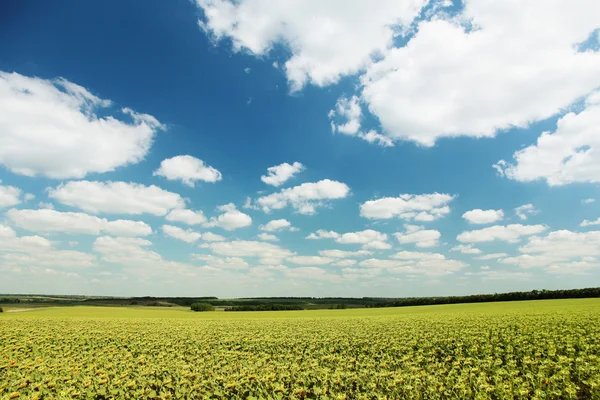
418	148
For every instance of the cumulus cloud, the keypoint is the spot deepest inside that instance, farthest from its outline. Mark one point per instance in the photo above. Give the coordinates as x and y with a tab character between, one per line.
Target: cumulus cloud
51	128
328	40
426	207
430	264
231	218
304	198
268	253
479	216
590	223
51	221
221	262
588	201
116	197
369	238
279	174
188	217
466	249
509	233
267	237
188	170
186	235
492	256
344	254
25	244
9	196
212	237
569	154
525	211
310	260
276	225
344	263
419	236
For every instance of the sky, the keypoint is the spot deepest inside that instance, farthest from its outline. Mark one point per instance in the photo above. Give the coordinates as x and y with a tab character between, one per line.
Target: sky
292	148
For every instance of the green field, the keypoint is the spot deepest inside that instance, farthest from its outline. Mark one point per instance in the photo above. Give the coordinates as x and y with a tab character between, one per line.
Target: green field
538	349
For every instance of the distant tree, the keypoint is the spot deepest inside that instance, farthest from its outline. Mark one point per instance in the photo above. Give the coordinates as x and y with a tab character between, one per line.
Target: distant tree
202	307
1	310
341	306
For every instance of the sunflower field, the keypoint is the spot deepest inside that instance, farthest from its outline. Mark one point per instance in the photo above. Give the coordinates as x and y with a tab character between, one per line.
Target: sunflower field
530	350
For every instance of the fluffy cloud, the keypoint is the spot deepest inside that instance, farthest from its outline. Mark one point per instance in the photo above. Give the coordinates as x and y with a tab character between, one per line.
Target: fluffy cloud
344	263
267	237
488	275
186	235
116	197
188	170
418	235
509	233
310	260
327	40
9	196
466	249
51	221
9	241
245	248
50	128
276	225
525	211
369	238
344	254
186	216
426	207
221	262
304	198
479	216
492	256
279	174
459	75
349	111
590	223
430	264
569	154
588	201
212	237
231	218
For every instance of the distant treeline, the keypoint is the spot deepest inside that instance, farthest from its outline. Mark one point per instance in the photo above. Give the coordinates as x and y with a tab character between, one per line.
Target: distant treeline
266	307
482	298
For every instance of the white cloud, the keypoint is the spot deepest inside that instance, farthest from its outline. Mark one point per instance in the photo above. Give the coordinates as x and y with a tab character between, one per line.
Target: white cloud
426	207
344	263
328	40
590	223
430	264
29	197
421	237
466	249
186	235
489	275
9	195
231	218
476	74
569	154
50	128
588	201
322	234
492	256
479	216
116	197
276	225
51	258
51	221
45	205
310	260
525	211
344	253
350	112
244	248
509	233
279	174
304	198
267	237
188	170
9	241
221	262
369	238
212	237
188	217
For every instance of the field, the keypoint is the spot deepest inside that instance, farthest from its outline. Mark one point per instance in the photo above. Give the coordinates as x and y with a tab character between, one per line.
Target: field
521	350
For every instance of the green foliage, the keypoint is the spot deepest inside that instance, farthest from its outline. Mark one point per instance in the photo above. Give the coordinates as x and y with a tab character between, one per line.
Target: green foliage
202	307
532	350
1	310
